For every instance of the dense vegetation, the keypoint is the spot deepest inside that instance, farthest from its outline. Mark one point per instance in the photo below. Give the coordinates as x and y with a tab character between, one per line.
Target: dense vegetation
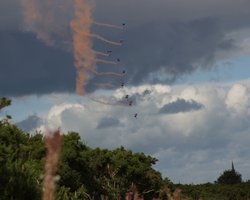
92	173
84	172
211	191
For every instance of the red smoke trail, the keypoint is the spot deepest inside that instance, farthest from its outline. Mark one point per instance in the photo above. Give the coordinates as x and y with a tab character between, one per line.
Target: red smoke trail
108	25
108	74
105	61
48	19
31	12
101	53
93	35
37	21
84	56
85	59
104	39
41	18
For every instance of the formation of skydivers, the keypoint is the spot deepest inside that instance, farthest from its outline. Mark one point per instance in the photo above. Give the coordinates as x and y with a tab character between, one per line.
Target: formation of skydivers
109	52
130	102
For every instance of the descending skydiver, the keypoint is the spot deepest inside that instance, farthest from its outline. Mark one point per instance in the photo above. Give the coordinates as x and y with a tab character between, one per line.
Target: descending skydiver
109	52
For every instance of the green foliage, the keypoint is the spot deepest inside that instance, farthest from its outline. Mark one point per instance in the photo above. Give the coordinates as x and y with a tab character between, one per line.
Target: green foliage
64	193
19	170
115	170
85	173
229	177
4	102
211	191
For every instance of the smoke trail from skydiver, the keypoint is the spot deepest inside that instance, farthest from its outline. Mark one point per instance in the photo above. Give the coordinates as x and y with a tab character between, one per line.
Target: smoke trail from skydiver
109	101
85	56
41	18
108	25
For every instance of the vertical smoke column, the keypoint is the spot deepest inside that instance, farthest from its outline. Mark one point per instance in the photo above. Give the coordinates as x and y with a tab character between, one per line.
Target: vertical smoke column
83	53
53	142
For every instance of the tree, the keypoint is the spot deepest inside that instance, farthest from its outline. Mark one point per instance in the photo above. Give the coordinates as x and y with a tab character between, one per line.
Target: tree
116	170
230	177
4	102
19	172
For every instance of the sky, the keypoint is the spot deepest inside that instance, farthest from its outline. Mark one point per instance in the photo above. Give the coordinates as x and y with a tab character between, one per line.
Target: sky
187	75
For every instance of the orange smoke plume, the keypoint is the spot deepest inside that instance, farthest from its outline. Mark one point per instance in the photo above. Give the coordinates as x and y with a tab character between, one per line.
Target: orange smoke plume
38	20
41	18
31	12
84	56
53	142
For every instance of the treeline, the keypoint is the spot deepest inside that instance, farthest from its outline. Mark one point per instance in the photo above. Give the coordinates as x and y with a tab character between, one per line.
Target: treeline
215	191
84	172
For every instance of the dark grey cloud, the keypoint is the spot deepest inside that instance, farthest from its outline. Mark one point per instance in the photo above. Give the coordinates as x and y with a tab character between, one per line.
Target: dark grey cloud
27	66
176	38
231	12
10	15
108	122
30	123
180	105
172	48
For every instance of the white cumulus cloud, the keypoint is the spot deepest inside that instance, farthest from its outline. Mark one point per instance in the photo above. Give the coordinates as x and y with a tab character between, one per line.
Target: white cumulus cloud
192	146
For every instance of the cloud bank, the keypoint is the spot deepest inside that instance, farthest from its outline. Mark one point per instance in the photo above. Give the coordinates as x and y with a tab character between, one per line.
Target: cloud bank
192	146
180	105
